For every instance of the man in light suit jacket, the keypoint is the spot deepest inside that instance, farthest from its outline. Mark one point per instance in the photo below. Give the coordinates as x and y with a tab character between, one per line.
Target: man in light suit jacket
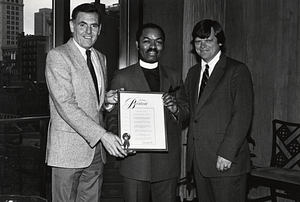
220	118
154	173
76	133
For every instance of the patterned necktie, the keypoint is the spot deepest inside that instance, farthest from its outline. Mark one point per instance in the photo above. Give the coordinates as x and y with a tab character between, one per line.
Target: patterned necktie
205	77
92	70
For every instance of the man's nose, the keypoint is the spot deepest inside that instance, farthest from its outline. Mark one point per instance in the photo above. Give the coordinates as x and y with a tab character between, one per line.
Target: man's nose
152	44
203	44
88	29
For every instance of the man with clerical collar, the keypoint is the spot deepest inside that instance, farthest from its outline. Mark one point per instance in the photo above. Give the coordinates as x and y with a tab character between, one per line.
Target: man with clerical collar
152	173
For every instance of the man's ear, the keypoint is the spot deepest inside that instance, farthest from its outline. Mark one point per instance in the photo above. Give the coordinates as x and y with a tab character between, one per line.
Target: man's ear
99	31
71	24
137	45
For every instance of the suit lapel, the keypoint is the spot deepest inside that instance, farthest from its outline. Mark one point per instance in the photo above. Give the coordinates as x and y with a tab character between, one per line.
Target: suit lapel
195	88
213	81
82	65
139	79
164	79
100	66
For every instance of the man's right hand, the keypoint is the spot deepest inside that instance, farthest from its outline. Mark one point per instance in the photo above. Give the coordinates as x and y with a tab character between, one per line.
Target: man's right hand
113	144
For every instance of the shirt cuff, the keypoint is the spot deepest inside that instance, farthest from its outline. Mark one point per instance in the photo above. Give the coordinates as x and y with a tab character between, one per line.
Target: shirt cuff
108	107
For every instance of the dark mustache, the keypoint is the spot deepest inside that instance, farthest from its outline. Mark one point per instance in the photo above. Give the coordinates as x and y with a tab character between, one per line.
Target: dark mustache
152	49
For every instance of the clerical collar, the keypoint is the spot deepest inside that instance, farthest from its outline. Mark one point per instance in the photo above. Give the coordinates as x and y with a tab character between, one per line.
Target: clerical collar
148	65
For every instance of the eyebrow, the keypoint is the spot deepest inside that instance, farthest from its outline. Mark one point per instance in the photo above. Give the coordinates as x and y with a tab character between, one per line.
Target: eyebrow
145	37
87	23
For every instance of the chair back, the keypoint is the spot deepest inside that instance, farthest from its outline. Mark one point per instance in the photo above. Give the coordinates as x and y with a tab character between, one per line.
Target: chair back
286	145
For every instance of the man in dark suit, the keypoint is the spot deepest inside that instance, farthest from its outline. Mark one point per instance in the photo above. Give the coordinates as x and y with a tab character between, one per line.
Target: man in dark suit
154	173
76	134
220	97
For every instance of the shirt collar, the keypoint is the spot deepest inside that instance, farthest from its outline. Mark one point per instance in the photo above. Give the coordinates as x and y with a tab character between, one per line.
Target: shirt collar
212	63
148	65
82	50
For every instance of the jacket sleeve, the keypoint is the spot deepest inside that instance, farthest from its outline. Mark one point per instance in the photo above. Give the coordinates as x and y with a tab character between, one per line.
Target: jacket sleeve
111	118
241	113
59	79
183	104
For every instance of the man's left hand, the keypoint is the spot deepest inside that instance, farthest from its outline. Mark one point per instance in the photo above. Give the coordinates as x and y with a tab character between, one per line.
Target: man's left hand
111	96
223	164
170	102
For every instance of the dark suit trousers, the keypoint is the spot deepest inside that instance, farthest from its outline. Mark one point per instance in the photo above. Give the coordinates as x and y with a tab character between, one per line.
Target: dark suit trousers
139	191
78	184
220	189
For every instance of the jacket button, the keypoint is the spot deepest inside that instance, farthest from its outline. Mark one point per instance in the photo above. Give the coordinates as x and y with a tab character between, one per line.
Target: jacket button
195	121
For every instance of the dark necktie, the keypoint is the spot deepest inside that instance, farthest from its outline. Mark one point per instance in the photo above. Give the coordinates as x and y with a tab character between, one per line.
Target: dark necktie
205	77
92	70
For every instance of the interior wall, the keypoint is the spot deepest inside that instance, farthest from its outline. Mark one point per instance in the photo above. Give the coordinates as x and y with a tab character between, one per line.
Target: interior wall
265	35
131	16
168	15
195	11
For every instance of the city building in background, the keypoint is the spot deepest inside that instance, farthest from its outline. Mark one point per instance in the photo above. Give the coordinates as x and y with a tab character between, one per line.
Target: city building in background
24	99
11	23
22	81
25	92
32	52
42	21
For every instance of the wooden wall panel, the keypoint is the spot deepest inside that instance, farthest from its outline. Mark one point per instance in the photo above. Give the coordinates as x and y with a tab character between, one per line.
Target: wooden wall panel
249	40
195	11
168	15
264	35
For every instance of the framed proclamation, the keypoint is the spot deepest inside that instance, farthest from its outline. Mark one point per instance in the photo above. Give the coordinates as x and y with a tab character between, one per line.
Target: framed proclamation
142	121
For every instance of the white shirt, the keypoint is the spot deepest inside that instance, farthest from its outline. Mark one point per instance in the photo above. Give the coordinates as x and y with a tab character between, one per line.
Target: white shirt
96	68
211	65
93	58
